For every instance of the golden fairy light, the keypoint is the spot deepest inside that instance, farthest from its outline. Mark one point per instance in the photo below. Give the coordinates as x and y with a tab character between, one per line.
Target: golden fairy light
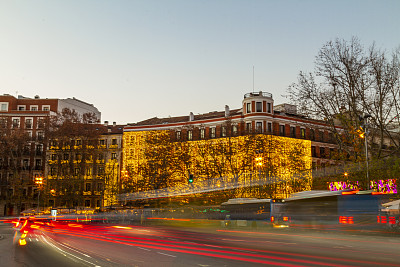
155	162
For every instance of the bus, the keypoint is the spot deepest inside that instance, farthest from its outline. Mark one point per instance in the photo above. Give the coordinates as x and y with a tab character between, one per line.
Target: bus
319	208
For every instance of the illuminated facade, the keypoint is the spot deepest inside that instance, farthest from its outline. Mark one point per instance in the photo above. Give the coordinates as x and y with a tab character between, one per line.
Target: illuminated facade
85	173
257	140
153	161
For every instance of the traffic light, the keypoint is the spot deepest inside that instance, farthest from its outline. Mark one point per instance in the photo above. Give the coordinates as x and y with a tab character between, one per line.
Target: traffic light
190	178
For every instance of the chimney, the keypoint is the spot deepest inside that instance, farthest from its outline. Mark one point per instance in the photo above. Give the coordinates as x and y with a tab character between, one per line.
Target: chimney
105	123
227	111
37	97
191	116
114	123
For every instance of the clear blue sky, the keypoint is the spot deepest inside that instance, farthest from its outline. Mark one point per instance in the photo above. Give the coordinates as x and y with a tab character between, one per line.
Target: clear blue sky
139	59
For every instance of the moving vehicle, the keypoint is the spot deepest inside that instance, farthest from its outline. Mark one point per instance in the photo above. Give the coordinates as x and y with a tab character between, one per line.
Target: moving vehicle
328	208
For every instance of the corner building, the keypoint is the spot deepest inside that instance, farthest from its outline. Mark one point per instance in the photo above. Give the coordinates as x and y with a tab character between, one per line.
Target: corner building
262	143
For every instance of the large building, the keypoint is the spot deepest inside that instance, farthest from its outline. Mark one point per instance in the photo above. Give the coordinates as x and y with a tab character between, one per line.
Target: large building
26	119
84	171
286	142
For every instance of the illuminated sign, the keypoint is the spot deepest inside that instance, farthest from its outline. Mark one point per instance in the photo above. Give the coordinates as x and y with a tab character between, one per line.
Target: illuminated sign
383	186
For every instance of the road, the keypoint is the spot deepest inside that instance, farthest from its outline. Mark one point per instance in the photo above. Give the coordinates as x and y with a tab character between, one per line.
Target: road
78	244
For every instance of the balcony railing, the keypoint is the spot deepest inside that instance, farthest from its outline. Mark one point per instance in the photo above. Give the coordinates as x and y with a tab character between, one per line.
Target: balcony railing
264	94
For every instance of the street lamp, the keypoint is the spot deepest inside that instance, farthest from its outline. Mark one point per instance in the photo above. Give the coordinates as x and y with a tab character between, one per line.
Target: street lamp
38	182
364	120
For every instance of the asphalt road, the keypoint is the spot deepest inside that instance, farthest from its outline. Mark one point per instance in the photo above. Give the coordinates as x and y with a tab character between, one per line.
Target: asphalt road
76	244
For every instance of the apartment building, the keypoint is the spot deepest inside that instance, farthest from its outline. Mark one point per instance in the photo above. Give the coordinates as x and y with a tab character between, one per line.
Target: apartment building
220	144
29	117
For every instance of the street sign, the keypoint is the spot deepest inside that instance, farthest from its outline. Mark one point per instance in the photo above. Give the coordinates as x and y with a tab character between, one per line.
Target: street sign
54	214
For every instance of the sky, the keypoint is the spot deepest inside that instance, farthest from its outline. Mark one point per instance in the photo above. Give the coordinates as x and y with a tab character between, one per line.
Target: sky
138	59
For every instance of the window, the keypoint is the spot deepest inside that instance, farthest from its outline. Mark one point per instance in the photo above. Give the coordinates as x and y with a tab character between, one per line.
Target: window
21	107
248	127
78	156
258	106
46	108
53	171
28	123
321	136
53	156
313	153
302	133
331	138
270	127
282	130
40	136
101	171
88	171
292	131
3	122
38	164
102	142
114	142
178	135
76	171
259	126
15	123
223	131
269	107
101	156
87	202
34	108
234	129
190	135
40	123
66	156
312	134
79	142
88	187
25	164
202	133
4	107
212	132
99	187
53	142
322	152
113	155
248	108
39	150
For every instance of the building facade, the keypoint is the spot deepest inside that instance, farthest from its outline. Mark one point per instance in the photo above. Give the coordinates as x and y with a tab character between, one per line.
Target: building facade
270	132
26	120
84	172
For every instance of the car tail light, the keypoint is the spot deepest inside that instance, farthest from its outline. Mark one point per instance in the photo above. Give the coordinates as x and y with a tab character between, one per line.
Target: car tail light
346	220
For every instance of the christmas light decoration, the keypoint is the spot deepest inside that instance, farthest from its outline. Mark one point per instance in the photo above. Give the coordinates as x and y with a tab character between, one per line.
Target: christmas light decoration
155	162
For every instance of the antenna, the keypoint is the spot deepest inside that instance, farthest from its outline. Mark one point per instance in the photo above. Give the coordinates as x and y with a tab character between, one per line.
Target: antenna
253	78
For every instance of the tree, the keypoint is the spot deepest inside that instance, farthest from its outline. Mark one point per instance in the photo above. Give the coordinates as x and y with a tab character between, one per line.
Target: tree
16	178
349	82
74	157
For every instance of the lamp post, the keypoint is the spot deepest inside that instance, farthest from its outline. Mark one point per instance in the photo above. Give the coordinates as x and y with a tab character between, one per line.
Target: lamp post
38	182
365	121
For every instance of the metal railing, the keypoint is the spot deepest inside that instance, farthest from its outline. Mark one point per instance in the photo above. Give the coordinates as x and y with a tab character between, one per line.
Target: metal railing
264	94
